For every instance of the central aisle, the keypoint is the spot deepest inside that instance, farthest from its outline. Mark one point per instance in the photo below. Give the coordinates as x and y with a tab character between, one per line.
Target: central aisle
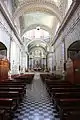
36	104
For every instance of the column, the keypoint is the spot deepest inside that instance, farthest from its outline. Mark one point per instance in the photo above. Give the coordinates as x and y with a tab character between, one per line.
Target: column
46	61
32	63
27	61
10	54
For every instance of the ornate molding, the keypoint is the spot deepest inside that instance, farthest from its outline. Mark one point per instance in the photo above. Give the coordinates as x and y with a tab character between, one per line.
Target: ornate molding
71	26
35	5
34	26
67	25
35	48
2	26
9	20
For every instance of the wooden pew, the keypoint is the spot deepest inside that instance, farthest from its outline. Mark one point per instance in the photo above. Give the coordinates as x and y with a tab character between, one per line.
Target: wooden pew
67	112
55	88
56	81
59	95
4	115
68	89
58	84
70	96
66	95
50	76
50	87
11	94
13	82
20	90
44	76
66	106
14	86
66	98
7	104
67	101
73	115
27	78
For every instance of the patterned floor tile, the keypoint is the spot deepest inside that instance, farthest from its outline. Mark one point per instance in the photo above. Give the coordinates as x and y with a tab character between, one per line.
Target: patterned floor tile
37	104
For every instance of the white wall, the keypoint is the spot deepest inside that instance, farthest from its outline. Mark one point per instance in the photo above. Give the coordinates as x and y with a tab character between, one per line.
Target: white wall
50	61
15	57
23	61
70	34
59	60
5	39
9	6
8	38
5	33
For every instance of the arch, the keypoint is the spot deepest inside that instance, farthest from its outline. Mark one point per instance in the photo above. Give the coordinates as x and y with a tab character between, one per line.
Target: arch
32	6
34	26
33	44
2	46
37	41
34	48
3	49
74	46
73	49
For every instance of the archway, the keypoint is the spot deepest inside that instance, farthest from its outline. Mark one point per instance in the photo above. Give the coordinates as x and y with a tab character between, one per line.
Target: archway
4	64
3	50
73	63
73	49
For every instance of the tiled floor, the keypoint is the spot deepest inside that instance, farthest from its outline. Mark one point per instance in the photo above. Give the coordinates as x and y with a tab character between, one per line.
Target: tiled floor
37	104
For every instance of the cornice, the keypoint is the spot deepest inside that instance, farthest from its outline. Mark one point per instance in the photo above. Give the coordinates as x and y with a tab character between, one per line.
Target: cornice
9	20
4	28
35	5
32	26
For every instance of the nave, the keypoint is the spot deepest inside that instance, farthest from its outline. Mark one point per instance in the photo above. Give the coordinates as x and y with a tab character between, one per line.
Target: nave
39	96
39	59
37	104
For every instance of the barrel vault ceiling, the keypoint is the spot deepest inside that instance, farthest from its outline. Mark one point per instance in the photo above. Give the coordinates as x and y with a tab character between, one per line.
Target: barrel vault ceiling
48	14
